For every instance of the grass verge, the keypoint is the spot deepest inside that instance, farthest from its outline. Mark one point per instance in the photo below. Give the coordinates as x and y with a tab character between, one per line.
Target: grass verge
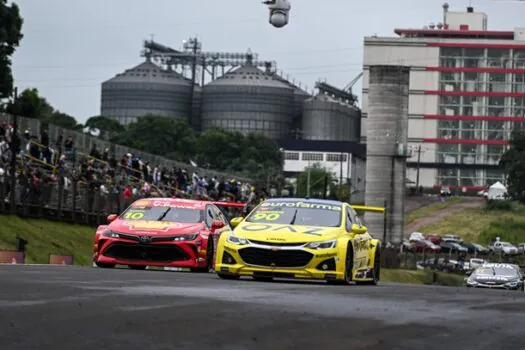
421	277
47	237
480	225
431	209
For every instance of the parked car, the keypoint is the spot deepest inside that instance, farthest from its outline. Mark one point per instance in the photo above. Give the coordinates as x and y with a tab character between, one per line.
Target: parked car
426	246
452	238
445	191
436	239
474	248
452	247
521	248
416	236
504	248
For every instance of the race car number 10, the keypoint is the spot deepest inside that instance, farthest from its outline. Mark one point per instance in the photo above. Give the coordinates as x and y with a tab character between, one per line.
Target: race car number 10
266	216
134	215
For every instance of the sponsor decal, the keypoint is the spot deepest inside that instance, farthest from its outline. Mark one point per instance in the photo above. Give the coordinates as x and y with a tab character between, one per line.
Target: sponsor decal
491	278
151	225
332	255
310	205
268	227
267	215
499	266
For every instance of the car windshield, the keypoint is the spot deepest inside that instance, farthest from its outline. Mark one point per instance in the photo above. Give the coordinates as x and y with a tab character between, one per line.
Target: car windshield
297	213
496	271
171	214
505	244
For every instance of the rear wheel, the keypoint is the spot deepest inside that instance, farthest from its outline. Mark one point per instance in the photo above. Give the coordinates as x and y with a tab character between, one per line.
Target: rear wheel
376	271
137	267
105	265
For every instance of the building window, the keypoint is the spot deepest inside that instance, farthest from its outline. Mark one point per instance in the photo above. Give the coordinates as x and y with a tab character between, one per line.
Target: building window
315	157
498	58
519	83
519	58
335	157
291	155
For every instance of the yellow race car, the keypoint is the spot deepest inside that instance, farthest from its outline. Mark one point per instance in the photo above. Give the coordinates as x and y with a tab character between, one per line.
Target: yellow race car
300	238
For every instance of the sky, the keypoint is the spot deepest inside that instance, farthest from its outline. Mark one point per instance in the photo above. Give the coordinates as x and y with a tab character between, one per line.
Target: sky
70	46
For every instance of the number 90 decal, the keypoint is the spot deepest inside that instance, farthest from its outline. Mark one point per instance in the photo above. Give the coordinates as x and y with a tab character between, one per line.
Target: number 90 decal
134	215
266	216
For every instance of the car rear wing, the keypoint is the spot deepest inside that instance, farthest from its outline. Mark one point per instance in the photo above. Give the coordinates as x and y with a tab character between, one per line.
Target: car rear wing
231	209
374	209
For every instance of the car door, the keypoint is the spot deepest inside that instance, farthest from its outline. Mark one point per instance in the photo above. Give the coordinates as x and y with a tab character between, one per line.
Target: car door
359	242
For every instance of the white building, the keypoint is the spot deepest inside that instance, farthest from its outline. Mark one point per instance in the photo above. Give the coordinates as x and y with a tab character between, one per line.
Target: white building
467	92
347	164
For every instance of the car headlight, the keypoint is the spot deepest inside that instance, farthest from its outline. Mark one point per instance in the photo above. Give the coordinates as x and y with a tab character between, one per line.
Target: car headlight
471	282
512	284
187	237
237	240
110	234
322	245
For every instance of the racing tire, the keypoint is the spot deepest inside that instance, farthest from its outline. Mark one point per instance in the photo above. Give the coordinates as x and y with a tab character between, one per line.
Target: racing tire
137	267
228	277
209	259
105	265
376	272
349	265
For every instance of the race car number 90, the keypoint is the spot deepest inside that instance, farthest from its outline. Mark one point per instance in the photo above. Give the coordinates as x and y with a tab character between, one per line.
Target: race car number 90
270	216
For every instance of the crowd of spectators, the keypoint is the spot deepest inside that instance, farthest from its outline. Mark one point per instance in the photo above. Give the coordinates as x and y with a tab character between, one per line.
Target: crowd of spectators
102	183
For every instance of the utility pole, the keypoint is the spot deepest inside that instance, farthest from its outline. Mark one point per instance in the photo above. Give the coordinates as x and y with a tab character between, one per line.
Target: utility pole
308	181
418	163
195	47
14	144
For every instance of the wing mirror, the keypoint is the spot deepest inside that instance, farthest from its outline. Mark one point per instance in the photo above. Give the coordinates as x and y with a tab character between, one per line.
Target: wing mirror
358	230
217	224
236	221
112	217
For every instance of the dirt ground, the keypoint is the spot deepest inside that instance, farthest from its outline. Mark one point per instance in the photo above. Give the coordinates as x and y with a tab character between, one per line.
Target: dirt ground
416	225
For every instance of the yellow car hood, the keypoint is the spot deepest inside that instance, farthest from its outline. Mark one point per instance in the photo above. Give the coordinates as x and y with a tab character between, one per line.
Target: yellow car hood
285	233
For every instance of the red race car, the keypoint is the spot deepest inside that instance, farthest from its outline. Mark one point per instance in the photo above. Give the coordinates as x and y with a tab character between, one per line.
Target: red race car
165	232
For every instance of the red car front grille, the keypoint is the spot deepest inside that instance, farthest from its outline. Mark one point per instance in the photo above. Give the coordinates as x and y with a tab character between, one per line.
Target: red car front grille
145	252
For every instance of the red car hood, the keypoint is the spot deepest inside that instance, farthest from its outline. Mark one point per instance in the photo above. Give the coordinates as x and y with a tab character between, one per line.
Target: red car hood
160	228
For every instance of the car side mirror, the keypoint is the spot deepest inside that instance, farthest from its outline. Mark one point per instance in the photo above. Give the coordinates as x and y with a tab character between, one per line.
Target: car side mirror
236	221
217	224
358	230
112	217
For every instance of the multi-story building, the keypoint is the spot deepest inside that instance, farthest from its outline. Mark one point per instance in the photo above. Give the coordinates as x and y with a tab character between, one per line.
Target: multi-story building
467	93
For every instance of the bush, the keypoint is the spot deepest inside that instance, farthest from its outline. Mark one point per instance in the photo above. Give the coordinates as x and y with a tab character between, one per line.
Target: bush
506	228
499	205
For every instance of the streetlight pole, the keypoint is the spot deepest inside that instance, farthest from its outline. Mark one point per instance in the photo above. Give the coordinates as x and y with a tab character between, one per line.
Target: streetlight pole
308	181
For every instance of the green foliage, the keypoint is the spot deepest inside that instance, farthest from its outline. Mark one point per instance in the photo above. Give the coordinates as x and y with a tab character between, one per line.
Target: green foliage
318	174
172	138
514	163
509	229
10	36
499	205
105	124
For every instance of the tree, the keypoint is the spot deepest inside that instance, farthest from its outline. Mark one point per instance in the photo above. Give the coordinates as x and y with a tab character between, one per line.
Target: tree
62	119
513	161
10	37
318	174
171	138
105	124
31	105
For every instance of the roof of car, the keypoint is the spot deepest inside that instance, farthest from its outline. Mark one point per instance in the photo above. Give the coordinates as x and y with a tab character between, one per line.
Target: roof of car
161	202
305	200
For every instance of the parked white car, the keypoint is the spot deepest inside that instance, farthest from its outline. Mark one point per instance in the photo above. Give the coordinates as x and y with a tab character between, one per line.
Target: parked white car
416	236
504	248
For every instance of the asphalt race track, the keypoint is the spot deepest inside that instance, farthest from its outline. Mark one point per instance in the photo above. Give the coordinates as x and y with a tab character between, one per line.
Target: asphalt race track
55	307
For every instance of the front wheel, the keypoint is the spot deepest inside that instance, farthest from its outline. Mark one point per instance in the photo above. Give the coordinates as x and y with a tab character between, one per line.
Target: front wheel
376	272
209	259
349	268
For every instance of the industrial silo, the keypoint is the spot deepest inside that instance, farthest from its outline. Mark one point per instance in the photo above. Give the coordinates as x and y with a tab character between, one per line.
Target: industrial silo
145	89
329	119
387	136
248	100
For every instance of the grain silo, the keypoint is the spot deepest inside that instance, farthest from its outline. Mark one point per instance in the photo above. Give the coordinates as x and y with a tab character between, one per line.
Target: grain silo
327	118
145	89
248	100
387	136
